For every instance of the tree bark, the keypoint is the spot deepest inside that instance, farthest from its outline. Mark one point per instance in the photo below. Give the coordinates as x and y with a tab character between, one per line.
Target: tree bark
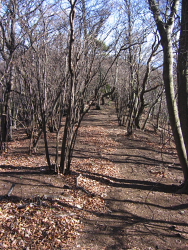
165	30
182	73
66	143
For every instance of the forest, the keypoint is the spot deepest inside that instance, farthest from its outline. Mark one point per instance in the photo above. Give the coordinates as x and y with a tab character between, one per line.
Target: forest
93	124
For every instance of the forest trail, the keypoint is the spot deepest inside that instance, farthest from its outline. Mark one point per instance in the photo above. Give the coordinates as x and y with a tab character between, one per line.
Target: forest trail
143	211
120	195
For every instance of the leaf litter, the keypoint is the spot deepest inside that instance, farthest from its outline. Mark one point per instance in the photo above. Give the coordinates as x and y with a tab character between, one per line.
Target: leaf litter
53	217
54	221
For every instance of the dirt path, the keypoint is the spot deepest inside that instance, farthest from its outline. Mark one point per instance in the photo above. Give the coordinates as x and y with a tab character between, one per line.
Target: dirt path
143	211
122	190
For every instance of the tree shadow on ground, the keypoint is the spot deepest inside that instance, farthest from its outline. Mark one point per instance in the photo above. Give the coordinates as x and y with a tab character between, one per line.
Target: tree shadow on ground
120	226
126	159
29	182
11	167
123	226
174	208
132	184
144	144
37	201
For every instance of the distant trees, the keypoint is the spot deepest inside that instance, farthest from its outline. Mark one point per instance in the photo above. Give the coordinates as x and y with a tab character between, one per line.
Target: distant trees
57	58
137	73
51	66
8	46
13	44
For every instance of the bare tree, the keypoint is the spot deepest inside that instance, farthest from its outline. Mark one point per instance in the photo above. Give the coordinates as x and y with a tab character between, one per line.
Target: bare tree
12	46
84	61
67	140
136	66
7	49
165	23
182	72
45	83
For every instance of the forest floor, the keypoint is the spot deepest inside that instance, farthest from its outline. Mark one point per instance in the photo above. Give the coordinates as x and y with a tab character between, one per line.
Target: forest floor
120	195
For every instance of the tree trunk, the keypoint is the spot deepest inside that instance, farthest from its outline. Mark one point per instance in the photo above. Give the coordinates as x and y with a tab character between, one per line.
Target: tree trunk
165	31
46	140
182	73
66	143
172	105
107	94
64	168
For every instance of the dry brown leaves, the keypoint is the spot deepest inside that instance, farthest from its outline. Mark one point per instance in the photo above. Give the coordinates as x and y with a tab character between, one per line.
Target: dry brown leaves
53	222
23	160
98	136
47	225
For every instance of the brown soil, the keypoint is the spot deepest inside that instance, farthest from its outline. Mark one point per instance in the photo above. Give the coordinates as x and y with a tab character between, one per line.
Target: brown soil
121	194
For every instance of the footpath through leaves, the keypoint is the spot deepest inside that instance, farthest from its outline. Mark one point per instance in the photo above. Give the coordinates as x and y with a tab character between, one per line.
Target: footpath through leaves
120	195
